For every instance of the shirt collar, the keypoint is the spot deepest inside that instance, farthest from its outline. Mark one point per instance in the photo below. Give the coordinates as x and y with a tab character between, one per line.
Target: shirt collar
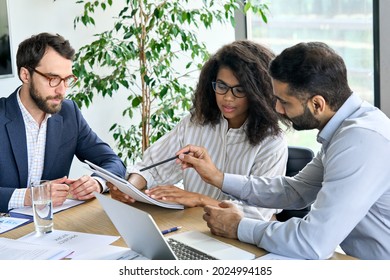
225	124
347	109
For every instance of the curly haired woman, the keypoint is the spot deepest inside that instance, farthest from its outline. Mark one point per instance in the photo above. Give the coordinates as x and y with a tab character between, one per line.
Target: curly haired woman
233	117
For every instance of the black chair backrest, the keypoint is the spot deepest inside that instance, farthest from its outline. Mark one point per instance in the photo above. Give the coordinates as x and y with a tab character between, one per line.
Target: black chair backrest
298	157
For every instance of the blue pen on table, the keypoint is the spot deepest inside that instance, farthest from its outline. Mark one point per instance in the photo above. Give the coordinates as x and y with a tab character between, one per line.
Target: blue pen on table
165	231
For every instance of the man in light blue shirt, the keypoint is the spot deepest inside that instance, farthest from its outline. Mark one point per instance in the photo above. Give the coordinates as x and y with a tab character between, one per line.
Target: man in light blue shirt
347	181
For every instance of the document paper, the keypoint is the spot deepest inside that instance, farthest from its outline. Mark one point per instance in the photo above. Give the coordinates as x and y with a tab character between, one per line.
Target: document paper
127	188
11	249
78	242
8	223
27	211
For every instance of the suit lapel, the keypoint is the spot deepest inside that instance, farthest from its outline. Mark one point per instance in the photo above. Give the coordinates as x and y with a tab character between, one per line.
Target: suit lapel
53	136
17	137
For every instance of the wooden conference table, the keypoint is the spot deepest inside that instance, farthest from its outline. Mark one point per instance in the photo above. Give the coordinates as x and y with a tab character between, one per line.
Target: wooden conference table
90	217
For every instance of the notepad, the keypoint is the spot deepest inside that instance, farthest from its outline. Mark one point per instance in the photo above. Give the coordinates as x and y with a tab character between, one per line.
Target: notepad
129	189
27	212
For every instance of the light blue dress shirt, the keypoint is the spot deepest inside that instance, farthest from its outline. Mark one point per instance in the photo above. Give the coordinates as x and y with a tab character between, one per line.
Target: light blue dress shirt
349	183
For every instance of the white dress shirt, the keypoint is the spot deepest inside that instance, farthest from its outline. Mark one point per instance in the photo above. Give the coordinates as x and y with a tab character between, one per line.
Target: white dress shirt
36	143
229	149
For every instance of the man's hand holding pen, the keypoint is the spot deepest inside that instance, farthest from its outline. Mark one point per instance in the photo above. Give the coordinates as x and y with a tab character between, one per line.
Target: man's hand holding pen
189	157
197	158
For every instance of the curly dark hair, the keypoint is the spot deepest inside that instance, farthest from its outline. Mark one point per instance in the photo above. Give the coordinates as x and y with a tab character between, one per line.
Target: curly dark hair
249	62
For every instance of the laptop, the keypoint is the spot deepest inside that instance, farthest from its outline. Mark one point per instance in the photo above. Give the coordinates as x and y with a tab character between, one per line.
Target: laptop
142	235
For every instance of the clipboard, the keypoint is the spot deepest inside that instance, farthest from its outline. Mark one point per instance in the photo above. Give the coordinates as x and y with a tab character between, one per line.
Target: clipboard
129	189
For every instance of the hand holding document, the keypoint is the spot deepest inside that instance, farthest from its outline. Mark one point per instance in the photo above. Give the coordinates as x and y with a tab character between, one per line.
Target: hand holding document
127	188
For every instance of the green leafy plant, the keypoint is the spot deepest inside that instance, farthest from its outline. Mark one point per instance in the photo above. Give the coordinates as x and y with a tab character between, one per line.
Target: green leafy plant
142	53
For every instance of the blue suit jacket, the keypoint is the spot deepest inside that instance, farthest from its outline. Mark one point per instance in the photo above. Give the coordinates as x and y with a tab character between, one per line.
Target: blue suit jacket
68	134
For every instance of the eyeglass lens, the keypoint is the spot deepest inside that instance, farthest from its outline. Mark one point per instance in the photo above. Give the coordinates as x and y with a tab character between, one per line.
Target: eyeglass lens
56	80
221	88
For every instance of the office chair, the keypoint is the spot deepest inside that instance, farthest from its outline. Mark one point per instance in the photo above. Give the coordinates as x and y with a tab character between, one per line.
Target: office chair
298	157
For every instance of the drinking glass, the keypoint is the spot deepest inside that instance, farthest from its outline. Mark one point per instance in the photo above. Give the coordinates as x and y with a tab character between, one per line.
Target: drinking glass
42	206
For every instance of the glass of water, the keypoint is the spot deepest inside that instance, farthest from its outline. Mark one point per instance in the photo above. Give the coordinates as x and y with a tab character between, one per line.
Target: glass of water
42	206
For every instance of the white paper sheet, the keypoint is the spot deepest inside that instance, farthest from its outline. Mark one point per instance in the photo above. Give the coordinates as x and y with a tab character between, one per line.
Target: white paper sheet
27	211
11	249
8	223
78	242
110	252
127	188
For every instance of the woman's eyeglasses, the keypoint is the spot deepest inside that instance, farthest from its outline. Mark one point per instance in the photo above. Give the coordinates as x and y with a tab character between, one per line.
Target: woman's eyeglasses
222	89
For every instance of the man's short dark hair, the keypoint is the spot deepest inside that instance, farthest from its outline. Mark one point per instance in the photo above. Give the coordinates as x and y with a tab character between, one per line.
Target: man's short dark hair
31	50
313	69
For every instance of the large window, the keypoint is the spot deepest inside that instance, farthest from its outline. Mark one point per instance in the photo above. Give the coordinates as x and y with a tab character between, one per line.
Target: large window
5	47
345	25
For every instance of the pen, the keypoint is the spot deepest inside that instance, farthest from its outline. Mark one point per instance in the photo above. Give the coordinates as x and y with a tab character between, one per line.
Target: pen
161	162
165	231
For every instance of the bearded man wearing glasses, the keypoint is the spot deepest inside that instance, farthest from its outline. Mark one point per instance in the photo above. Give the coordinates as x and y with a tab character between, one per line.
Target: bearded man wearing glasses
41	131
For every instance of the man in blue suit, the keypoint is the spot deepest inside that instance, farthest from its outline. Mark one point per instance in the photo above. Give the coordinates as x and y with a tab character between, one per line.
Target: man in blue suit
41	132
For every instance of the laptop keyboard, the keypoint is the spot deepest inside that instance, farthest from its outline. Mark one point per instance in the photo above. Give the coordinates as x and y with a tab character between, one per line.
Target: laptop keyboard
185	252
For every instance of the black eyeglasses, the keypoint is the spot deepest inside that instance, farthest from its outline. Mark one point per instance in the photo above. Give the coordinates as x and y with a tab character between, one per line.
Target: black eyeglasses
221	88
55	80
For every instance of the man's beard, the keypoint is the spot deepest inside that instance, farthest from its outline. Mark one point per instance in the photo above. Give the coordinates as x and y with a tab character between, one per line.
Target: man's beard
43	104
305	121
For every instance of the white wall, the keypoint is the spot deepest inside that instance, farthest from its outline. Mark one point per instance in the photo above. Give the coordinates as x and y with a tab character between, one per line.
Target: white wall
28	17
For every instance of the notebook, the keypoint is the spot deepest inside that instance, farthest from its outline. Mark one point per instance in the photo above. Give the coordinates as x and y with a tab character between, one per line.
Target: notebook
142	235
127	188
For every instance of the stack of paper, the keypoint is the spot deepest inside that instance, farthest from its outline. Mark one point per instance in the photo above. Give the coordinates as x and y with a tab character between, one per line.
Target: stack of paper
77	242
61	244
11	249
